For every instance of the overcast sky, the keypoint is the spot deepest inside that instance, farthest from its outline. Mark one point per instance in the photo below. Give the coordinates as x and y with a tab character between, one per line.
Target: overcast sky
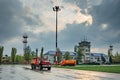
98	20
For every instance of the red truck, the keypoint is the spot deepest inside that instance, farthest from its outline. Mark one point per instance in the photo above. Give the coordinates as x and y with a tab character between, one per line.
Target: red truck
40	63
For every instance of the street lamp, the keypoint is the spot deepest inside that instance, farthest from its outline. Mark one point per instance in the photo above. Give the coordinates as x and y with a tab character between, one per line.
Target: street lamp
56	9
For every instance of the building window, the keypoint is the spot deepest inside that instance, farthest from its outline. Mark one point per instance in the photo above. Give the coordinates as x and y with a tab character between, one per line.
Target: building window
87	57
87	53
96	57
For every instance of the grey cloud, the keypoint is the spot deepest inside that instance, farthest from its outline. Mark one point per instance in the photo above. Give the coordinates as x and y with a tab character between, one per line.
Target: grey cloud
13	18
9	25
81	3
84	4
105	13
73	34
108	12
33	20
46	40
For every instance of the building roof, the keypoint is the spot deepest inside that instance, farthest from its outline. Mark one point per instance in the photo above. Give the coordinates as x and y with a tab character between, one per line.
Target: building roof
98	54
63	53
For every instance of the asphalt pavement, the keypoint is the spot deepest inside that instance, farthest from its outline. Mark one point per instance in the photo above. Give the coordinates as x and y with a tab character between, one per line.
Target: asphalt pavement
23	72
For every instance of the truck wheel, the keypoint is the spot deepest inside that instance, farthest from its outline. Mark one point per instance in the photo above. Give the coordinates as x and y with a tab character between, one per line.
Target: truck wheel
49	68
41	67
32	66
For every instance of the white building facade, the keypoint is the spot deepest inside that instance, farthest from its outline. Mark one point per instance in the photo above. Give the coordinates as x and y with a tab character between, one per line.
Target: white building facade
50	55
100	58
87	56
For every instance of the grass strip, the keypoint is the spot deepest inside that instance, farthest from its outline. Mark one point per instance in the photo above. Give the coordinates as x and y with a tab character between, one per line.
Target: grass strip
100	68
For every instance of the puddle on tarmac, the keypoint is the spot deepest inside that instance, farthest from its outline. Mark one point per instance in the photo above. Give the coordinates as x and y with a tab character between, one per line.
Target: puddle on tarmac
70	76
0	70
61	76
67	70
67	76
42	71
37	70
12	72
79	73
26	68
105	78
11	77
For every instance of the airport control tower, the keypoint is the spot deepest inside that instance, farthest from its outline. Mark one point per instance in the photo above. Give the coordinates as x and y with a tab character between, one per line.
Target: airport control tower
110	50
84	47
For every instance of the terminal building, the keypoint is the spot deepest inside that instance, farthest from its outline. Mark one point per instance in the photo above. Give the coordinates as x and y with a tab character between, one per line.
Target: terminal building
50	55
87	56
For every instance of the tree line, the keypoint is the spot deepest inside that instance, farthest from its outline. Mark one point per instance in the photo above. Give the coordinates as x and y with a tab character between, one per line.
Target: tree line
29	54
15	58
116	58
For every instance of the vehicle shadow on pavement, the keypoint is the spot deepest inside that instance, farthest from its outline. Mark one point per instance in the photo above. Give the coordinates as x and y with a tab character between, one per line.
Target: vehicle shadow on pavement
37	70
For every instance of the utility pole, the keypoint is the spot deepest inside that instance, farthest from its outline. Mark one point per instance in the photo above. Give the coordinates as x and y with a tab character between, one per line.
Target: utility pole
56	9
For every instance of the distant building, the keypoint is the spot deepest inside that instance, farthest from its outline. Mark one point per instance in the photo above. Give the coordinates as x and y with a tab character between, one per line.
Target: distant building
5	59
88	57
84	47
50	55
99	58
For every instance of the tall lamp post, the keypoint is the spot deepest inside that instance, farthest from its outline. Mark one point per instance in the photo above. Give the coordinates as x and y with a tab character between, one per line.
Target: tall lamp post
56	9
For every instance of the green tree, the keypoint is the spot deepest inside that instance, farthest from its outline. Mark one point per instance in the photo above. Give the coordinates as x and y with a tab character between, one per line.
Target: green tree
36	52
41	54
117	58
33	54
79	56
1	53
19	59
67	56
59	55
27	57
27	54
13	53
